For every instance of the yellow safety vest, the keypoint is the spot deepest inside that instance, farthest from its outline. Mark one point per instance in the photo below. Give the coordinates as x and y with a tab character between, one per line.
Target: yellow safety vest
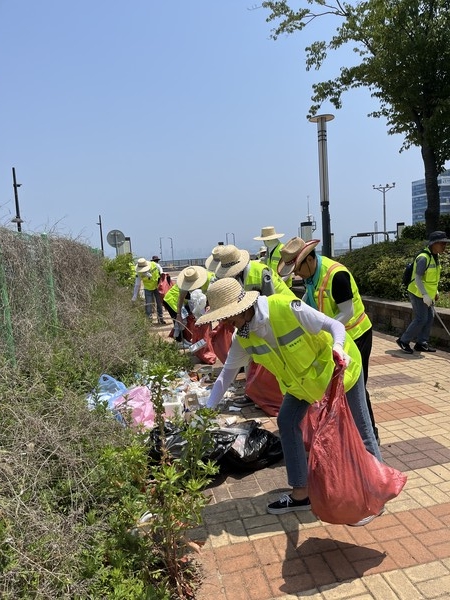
360	322
253	280
273	261
150	278
430	278
302	362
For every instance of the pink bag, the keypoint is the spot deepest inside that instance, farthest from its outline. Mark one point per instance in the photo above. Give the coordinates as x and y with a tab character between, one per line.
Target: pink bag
136	405
346	483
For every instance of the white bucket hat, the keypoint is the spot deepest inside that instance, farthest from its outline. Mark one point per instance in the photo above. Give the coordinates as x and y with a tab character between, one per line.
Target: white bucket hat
212	262
292	253
226	298
268	233
192	278
142	266
232	261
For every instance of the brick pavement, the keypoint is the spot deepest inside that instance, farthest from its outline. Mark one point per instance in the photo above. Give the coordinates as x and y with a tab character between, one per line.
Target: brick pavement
404	554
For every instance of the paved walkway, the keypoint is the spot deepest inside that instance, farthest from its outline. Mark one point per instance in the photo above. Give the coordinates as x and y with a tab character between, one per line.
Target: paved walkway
405	553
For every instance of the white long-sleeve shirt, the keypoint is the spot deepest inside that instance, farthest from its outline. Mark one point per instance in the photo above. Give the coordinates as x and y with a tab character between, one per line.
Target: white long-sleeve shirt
310	319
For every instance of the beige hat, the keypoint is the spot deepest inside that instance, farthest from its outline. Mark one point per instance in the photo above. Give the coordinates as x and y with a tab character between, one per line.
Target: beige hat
232	261
226	298
142	266
192	278
292	253
268	233
212	262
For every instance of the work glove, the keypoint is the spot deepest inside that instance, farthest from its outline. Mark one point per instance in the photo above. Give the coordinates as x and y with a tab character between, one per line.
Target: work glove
340	357
133	299
428	301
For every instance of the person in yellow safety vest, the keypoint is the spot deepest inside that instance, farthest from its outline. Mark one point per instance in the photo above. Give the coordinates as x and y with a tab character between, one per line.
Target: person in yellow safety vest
273	246
148	273
252	274
423	292
188	280
299	345
331	289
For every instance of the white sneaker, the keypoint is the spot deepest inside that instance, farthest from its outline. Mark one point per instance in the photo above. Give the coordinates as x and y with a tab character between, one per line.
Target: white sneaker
366	519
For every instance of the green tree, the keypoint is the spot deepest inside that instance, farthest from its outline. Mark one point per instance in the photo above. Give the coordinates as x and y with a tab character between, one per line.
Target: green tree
404	61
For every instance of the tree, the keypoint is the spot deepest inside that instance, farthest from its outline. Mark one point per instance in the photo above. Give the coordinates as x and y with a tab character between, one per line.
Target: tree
404	51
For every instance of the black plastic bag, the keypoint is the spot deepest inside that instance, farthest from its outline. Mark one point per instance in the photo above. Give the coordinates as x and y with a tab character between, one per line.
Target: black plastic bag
253	449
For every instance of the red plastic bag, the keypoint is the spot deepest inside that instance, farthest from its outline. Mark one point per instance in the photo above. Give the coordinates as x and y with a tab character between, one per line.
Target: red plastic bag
310	422
221	339
262	387
346	483
202	332
164	285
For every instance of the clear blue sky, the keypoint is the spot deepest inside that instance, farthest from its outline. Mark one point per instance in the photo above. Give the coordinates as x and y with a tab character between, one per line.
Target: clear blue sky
180	120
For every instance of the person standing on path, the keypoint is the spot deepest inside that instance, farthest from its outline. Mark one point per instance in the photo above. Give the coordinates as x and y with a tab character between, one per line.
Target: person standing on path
331	289
423	292
147	272
299	345
273	247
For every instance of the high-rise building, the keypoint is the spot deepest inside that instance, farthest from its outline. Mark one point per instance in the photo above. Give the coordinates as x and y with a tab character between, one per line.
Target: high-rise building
419	197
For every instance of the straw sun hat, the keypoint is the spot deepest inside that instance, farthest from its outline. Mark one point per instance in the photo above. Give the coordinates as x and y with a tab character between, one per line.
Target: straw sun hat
213	260
268	233
226	298
232	261
192	278
292	254
142	266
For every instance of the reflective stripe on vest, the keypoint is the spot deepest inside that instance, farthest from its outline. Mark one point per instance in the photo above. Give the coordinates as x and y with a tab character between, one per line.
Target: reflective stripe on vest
302	362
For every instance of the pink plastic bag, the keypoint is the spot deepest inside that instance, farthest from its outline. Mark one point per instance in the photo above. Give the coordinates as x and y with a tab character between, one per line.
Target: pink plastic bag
136	405
345	482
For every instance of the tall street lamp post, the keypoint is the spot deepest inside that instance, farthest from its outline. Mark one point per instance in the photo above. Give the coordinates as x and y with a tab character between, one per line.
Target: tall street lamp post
101	234
161	247
234	239
321	121
17	219
383	189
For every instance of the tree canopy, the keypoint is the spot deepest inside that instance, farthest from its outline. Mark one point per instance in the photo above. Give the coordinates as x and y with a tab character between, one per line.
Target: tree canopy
404	52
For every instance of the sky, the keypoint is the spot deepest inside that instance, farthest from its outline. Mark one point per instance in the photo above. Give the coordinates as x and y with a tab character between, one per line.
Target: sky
182	125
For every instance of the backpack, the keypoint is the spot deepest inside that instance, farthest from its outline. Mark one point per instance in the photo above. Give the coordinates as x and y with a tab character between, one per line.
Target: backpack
408	272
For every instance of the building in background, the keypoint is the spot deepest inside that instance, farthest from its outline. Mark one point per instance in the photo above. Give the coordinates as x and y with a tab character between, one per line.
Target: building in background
419	197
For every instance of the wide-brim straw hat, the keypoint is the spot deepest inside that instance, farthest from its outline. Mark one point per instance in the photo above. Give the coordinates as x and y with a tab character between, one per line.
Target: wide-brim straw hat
142	266
268	233
213	260
192	278
232	261
226	298
292	254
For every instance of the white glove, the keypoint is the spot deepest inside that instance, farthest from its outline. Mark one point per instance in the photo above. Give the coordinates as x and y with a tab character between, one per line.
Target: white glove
340	357
133	299
427	300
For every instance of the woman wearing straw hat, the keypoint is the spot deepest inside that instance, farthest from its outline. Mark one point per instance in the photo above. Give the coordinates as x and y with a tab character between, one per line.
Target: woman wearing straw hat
273	246
147	272
297	344
331	288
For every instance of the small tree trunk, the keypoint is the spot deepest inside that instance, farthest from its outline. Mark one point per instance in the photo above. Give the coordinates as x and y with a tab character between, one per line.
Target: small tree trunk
432	172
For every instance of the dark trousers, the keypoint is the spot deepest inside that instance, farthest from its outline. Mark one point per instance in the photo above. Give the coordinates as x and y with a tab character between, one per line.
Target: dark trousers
364	344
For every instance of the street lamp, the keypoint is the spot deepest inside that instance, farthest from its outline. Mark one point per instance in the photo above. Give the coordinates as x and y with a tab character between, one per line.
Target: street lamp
101	234
17	218
321	121
234	239
384	189
161	248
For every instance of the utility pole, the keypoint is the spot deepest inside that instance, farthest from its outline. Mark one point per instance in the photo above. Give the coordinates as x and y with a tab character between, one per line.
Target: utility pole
383	189
17	218
101	234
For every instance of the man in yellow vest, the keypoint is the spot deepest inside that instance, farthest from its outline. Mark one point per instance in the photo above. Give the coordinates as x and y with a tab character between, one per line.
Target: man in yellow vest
147	272
299	345
423	292
331	289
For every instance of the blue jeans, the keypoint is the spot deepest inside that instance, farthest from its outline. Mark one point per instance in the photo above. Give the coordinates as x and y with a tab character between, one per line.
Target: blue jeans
420	327
290	416
149	296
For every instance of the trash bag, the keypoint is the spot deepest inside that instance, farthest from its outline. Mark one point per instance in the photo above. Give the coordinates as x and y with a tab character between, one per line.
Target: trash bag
262	387
310	422
138	402
221	339
220	441
254	448
107	391
345	482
